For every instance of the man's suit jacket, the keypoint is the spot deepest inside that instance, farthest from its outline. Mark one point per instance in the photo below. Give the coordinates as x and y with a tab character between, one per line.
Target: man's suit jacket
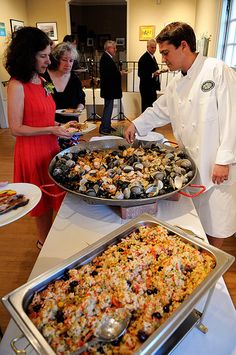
110	78
146	66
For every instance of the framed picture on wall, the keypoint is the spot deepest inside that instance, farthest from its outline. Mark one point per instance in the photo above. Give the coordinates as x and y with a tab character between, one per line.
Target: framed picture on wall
50	28
120	42
146	32
16	25
90	42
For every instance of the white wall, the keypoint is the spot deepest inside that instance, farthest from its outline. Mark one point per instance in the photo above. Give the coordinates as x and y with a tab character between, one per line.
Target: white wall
207	23
148	12
202	15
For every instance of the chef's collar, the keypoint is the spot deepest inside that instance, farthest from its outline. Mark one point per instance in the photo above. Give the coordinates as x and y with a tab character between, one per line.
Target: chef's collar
196	62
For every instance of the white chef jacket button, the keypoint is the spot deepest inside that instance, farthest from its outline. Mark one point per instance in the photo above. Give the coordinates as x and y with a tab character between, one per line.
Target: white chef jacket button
182	125
197	147
194	124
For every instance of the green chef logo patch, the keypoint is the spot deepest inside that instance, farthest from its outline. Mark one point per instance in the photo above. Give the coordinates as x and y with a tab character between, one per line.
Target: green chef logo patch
207	85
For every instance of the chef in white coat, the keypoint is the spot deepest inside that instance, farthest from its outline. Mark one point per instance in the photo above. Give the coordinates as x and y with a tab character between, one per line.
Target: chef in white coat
200	103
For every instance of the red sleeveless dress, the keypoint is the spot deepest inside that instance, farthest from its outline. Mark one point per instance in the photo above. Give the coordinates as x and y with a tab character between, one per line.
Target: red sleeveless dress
33	153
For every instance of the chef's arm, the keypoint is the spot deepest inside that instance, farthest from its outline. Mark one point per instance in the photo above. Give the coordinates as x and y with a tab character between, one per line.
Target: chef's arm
226	93
152	117
220	173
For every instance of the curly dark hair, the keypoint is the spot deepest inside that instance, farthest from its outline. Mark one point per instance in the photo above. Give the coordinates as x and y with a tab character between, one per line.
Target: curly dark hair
176	32
21	53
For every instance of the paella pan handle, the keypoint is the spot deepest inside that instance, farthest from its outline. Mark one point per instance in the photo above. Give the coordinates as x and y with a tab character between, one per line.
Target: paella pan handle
171	142
44	188
201	187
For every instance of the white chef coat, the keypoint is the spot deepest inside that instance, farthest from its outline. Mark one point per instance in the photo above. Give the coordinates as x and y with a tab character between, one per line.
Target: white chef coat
201	107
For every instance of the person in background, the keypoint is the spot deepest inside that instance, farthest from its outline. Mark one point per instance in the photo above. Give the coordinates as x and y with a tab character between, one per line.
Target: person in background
200	104
148	74
71	39
110	85
31	115
52	44
68	92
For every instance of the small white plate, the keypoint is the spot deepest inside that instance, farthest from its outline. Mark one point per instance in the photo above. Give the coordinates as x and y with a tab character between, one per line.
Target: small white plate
32	192
104	138
90	127
74	114
151	137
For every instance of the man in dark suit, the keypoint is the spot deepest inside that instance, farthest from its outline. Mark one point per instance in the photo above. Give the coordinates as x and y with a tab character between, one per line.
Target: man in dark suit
110	84
148	74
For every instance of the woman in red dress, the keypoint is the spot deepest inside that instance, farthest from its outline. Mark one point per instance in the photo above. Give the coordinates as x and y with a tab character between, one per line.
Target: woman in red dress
31	115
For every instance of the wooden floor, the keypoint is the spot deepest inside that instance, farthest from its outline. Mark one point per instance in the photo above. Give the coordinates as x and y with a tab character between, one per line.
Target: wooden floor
18	250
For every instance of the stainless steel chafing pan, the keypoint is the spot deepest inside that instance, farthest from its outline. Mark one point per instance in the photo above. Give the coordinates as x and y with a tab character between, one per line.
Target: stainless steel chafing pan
115	144
17	301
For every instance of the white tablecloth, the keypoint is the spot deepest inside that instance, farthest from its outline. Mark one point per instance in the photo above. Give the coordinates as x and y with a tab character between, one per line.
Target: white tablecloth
79	224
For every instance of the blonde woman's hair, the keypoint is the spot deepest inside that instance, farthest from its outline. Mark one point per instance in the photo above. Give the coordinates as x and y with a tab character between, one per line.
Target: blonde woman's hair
58	52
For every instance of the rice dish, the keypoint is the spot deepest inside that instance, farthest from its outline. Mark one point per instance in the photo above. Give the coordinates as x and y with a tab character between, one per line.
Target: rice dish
149	273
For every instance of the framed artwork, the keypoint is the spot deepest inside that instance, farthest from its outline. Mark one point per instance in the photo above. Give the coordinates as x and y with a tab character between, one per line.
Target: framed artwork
101	40
90	42
120	42
50	28
146	32
2	29
16	25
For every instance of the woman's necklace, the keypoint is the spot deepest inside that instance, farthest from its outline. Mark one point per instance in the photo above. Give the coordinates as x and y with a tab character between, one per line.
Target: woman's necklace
35	79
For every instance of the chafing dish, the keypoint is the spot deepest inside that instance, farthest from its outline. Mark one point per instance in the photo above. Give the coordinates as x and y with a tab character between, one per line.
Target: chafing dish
161	341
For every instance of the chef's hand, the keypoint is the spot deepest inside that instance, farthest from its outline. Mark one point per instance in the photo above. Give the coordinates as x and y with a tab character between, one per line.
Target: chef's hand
130	133
220	173
60	132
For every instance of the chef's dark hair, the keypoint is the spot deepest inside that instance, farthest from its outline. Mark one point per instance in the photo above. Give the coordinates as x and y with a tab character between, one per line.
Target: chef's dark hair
175	33
20	59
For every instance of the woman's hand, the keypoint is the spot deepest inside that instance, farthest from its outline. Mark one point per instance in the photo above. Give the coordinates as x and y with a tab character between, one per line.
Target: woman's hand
60	132
130	133
220	173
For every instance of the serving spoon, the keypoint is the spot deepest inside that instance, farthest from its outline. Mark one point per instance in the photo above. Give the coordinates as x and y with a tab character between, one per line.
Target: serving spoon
111	327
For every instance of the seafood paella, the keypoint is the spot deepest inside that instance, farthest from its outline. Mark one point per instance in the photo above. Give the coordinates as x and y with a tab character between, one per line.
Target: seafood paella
148	273
124	173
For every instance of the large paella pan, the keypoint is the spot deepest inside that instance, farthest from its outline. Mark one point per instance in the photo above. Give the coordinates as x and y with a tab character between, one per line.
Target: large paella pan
114	173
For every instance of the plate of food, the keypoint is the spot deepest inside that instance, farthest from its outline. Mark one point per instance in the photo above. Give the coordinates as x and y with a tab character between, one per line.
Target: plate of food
16	200
151	137
78	128
69	112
